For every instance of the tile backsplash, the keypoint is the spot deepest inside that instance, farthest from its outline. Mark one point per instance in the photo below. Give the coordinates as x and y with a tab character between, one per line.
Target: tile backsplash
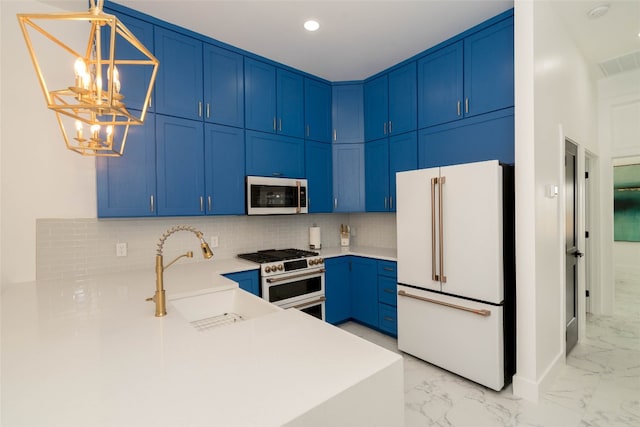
69	248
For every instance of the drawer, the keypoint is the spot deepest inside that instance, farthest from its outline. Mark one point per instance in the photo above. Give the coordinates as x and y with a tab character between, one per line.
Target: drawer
388	319
388	268
387	290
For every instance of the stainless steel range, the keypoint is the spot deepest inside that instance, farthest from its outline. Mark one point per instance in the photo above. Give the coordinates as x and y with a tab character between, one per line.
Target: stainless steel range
291	278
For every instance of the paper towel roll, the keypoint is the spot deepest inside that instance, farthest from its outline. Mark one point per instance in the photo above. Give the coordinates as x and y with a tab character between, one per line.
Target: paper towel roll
314	238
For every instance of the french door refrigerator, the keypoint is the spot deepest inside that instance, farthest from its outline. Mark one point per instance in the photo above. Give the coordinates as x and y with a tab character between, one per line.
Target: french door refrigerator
456	269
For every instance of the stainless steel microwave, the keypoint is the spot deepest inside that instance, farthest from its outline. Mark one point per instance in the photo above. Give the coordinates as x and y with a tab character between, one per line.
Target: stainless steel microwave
276	196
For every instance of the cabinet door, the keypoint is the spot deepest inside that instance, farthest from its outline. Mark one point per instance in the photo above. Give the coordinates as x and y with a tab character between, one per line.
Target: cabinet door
488	74
348	177
337	290
376	166
180	169
274	155
224	170
348	113
364	291
440	79
134	78
290	103
223	86
248	280
317	111
387	290
403	99
179	79
319	176
403	156
126	186
376	108
260	95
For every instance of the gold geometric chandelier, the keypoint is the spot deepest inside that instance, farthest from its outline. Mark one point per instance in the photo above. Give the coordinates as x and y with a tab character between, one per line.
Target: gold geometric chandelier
89	104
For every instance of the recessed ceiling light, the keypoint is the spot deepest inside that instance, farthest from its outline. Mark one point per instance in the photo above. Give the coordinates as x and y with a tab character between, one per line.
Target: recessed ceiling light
598	11
311	25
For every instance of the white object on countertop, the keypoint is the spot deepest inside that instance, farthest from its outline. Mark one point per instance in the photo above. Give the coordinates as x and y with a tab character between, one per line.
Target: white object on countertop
315	241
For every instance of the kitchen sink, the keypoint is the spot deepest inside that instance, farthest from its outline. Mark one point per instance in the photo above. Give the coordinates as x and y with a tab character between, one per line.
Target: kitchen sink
220	308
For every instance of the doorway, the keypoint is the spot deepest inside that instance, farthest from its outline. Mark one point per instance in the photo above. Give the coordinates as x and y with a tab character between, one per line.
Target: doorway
571	243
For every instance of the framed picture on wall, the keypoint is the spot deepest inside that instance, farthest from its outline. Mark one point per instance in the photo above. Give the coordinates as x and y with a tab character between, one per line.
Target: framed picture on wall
626	203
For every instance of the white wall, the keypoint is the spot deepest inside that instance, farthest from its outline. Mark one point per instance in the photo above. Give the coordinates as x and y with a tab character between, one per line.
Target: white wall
555	98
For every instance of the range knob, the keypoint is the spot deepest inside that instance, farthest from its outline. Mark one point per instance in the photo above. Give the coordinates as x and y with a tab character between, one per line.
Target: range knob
320	261
280	267
267	269
312	262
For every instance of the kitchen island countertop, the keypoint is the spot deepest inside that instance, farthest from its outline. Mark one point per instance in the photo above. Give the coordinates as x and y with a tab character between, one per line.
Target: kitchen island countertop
89	352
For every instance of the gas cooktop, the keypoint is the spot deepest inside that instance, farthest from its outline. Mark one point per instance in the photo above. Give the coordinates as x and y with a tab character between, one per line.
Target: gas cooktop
274	255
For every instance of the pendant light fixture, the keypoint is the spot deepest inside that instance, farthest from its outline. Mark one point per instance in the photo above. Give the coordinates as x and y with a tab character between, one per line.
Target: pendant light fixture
90	103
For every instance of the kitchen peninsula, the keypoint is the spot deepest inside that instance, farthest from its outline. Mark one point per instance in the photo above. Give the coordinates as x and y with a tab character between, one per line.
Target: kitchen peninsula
90	352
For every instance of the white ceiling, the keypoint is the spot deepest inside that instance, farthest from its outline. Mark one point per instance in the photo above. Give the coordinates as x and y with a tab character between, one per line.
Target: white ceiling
358	38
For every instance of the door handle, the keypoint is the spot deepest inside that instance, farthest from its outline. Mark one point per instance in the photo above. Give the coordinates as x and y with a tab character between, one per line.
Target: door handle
578	254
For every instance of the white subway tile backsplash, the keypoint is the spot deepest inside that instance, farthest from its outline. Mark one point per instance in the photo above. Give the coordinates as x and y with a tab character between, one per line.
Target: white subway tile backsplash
69	248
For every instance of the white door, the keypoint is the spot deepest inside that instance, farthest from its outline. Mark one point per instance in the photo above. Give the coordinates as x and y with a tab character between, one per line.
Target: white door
472	231
415	219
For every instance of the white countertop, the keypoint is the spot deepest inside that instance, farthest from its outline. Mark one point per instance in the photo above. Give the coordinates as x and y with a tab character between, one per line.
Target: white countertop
91	353
364	251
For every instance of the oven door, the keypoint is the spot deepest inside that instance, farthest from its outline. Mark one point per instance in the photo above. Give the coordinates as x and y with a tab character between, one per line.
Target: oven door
290	288
268	196
311	306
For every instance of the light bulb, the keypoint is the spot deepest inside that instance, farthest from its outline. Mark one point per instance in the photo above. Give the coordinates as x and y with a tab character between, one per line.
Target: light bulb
78	129
80	67
95	131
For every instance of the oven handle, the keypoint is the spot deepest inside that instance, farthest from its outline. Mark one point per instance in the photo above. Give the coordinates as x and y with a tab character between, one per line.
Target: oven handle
294	276
306	304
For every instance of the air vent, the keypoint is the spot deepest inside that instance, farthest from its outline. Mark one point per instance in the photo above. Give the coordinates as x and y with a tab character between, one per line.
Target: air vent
621	64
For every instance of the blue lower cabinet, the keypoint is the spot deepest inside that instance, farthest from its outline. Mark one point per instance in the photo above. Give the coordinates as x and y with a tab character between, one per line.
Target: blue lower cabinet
337	290
388	319
364	291
248	280
274	155
387	290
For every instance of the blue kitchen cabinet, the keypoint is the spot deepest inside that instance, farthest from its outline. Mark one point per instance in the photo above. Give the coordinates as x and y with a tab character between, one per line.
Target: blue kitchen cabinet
470	77
179	166
390	103
348	178
376	161
387	297
376	108
274	155
274	99
403	156
126	186
179	80
224	159
337	290
484	137
223	86
248	280
134	78
364	291
319	172
317	110
347	113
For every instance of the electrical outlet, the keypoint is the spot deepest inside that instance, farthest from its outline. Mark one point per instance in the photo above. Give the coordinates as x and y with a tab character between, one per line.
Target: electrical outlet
353	231
214	241
121	249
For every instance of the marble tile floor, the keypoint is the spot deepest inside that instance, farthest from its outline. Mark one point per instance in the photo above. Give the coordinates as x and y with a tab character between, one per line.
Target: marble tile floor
599	386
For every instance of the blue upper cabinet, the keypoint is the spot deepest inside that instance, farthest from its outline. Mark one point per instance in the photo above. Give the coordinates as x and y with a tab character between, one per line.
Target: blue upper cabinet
224	170
318	160
126	186
180	169
179	79
403	156
440	79
376	160
376	108
274	100
134	78
403	99
317	110
348	177
347	113
274	155
488	77
223	86
470	77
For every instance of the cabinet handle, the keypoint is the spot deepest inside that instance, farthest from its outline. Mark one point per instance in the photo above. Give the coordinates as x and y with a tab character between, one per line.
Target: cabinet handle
209	203
390	202
458	107
384	128
466	105
387	268
389	291
280	125
199	108
335	135
208	110
388	319
307	130
390	127
385	203
201	204
274	124
152	204
335	203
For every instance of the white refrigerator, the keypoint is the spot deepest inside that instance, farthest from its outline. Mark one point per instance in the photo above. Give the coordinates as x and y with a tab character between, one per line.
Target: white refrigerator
456	278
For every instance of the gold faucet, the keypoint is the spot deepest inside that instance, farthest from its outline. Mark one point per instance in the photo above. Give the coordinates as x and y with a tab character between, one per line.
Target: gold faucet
158	298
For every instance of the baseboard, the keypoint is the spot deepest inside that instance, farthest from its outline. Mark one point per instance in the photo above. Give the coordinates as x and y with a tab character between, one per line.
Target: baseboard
531	390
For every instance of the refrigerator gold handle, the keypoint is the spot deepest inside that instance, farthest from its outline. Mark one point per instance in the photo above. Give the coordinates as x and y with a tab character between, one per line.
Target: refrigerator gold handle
434	274
442	180
479	312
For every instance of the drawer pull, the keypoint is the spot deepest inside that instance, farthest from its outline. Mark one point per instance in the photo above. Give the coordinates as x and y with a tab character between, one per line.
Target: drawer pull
483	313
389	291
388	319
388	268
